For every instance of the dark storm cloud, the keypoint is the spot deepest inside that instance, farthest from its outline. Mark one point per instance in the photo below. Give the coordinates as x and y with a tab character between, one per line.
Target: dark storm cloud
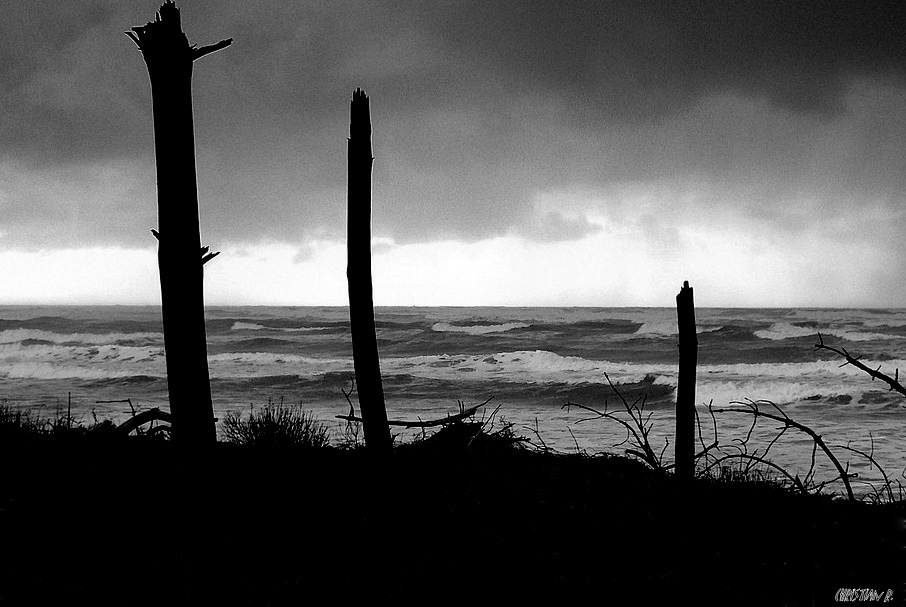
62	85
646	59
477	107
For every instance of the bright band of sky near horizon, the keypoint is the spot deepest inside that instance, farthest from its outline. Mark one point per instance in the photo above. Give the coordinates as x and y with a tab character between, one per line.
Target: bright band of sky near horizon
613	267
565	155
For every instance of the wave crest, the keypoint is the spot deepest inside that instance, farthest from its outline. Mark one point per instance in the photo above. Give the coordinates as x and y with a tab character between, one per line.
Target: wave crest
12	336
445	327
252	326
668	328
783	330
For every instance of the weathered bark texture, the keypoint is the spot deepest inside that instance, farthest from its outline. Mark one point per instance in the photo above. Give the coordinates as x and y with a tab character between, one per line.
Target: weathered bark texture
358	273
169	59
684	447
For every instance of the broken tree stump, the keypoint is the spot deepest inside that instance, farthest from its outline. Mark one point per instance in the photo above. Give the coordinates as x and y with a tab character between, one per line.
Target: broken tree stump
358	273
169	59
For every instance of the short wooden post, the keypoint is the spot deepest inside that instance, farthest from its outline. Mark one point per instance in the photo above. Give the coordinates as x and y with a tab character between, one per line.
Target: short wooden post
684	444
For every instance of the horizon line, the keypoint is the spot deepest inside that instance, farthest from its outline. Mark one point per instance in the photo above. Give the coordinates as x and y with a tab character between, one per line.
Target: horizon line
512	306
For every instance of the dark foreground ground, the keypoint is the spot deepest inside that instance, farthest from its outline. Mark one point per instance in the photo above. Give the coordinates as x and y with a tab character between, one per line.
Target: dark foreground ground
128	522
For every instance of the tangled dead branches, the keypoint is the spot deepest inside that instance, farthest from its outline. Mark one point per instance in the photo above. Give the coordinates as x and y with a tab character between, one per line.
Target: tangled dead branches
637	429
754	408
715	457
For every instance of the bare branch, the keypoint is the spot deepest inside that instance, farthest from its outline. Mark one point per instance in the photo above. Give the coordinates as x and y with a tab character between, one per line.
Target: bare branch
811	469
892	382
198	53
144	417
450	419
209	256
870	457
541	444
134	39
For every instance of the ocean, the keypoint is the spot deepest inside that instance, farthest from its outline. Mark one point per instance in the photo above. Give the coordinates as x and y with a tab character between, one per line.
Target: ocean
530	362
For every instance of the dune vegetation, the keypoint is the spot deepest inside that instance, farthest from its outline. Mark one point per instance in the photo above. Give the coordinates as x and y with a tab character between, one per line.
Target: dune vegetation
283	511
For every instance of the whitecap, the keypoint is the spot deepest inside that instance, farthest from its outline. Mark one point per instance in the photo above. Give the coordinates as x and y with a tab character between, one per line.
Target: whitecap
522	366
246	326
251	326
263	364
780	331
45	370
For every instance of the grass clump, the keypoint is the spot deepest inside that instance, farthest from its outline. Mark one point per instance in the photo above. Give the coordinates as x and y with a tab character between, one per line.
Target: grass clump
21	423
276	427
15	421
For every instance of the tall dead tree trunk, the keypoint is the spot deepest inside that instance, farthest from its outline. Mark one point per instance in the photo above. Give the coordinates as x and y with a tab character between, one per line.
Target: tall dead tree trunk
358	273
684	444
169	59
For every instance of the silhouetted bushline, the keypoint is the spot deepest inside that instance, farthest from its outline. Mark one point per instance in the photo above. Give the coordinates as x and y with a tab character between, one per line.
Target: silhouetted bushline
17	423
169	59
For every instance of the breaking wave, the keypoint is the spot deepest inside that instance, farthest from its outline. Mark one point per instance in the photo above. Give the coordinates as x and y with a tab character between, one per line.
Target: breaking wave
780	331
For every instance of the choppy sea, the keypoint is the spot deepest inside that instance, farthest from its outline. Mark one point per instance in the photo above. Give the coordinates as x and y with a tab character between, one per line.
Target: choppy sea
530	361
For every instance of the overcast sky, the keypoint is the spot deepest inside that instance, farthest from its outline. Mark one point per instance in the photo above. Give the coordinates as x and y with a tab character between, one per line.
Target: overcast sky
526	153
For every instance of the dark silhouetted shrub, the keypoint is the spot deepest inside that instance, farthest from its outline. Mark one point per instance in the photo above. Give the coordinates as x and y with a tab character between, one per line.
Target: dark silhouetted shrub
276	427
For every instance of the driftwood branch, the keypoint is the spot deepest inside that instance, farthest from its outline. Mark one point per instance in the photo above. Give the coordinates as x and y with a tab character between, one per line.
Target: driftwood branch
158	430
450	419
144	417
893	382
